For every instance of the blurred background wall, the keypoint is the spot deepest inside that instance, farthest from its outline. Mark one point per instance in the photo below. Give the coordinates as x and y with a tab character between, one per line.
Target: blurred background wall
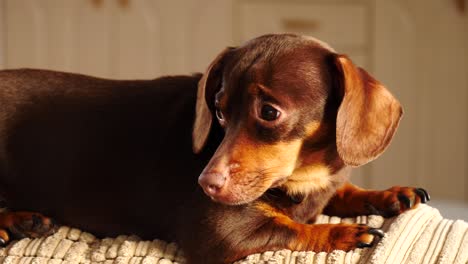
417	48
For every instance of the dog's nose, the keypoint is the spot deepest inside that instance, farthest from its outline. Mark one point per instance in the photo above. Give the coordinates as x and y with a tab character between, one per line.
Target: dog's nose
212	182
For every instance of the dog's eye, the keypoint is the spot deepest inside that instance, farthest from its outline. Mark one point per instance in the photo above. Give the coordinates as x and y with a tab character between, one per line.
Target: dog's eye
269	113
219	115
218	112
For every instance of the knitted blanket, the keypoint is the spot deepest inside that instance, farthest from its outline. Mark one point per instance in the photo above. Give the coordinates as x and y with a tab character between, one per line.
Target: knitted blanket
417	236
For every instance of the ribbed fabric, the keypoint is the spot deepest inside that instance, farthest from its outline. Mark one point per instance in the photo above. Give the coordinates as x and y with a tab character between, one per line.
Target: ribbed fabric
417	236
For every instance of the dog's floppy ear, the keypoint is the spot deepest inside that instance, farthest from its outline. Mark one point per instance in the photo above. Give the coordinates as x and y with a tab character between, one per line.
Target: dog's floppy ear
207	87
367	117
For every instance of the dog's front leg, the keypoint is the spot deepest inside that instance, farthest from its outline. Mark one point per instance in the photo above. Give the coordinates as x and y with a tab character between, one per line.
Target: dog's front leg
351	200
282	233
233	233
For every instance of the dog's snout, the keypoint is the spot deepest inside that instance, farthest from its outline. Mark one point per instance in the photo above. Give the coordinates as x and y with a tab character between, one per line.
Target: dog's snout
212	182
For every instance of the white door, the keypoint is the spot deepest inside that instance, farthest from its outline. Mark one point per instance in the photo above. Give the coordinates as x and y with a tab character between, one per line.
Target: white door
103	38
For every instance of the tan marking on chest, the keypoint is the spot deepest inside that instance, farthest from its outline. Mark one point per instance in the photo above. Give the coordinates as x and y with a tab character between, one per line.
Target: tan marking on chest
308	178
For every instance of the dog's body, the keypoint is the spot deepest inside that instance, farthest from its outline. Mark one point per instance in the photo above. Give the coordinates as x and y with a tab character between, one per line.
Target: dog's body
93	152
116	156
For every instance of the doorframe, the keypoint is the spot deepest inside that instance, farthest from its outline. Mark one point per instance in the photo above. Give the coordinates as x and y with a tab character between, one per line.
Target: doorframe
2	34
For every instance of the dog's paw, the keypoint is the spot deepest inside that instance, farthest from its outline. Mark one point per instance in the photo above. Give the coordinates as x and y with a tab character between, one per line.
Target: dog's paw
4	237
397	200
25	224
351	236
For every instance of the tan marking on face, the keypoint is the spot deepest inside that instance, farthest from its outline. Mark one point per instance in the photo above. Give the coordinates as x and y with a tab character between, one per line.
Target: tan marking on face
312	128
257	167
260	166
276	160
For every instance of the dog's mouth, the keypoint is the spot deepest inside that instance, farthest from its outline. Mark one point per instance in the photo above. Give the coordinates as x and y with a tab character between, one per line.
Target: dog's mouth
229	200
237	193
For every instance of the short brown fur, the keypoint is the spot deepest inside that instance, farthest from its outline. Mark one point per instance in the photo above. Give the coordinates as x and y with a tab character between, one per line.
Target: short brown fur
70	145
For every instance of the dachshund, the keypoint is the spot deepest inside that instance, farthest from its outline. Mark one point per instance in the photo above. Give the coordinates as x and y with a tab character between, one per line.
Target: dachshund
238	160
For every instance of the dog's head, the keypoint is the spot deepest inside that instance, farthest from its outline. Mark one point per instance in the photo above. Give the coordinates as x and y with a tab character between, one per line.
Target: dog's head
294	112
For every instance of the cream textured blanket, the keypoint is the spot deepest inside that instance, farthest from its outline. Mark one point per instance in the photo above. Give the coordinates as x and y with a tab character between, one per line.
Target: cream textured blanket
417	236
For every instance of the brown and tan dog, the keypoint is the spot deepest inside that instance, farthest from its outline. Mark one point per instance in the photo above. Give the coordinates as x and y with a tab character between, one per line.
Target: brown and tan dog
277	122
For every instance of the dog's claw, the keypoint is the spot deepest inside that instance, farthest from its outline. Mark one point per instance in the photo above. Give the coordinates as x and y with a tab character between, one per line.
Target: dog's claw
377	232
425	197
422	195
363	245
405	200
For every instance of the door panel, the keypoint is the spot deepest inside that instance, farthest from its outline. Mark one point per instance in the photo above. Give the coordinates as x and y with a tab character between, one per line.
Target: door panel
101	38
